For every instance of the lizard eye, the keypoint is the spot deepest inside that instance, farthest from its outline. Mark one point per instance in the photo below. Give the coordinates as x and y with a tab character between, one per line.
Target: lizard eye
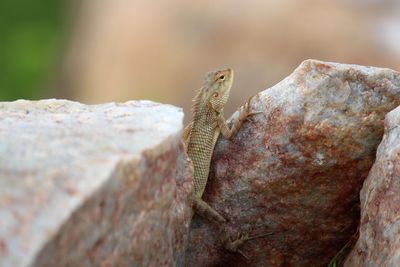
219	77
215	95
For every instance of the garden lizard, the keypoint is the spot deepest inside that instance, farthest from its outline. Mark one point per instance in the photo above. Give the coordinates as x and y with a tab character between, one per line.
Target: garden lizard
200	137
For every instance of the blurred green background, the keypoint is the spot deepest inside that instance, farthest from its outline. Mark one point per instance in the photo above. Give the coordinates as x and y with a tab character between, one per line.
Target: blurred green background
31	35
104	51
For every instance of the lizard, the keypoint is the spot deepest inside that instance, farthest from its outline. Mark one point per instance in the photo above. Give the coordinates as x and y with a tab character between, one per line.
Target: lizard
200	137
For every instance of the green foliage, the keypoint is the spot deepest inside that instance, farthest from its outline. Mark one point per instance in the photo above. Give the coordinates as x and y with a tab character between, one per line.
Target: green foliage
30	34
340	257
332	263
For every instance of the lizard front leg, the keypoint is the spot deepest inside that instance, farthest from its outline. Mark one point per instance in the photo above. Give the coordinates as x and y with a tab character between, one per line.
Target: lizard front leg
244	113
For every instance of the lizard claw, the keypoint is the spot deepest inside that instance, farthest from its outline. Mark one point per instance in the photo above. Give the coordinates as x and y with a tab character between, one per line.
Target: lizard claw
249	116
233	245
243	254
247	110
259	236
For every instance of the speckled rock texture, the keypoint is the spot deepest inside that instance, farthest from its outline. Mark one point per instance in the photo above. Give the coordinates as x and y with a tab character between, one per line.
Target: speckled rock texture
296	170
103	185
379	239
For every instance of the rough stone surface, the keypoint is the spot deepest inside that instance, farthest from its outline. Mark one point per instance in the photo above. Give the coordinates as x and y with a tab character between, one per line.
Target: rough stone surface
102	185
379	240
297	169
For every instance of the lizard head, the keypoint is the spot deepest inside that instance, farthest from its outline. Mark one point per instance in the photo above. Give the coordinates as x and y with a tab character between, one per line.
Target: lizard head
217	86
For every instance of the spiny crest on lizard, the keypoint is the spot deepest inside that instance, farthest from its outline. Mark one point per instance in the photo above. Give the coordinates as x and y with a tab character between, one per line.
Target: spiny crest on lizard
214	92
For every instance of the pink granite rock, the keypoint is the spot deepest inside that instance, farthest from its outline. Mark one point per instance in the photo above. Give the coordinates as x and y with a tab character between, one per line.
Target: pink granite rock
103	185
296	170
379	239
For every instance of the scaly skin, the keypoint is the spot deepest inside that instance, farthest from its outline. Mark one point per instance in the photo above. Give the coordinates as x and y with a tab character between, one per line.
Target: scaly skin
200	137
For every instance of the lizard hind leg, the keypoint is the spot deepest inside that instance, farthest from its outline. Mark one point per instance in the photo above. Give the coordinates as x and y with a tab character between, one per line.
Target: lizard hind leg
206	211
234	244
229	242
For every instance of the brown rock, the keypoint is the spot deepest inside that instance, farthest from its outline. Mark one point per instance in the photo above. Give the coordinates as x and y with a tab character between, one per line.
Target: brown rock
102	185
297	169
379	240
